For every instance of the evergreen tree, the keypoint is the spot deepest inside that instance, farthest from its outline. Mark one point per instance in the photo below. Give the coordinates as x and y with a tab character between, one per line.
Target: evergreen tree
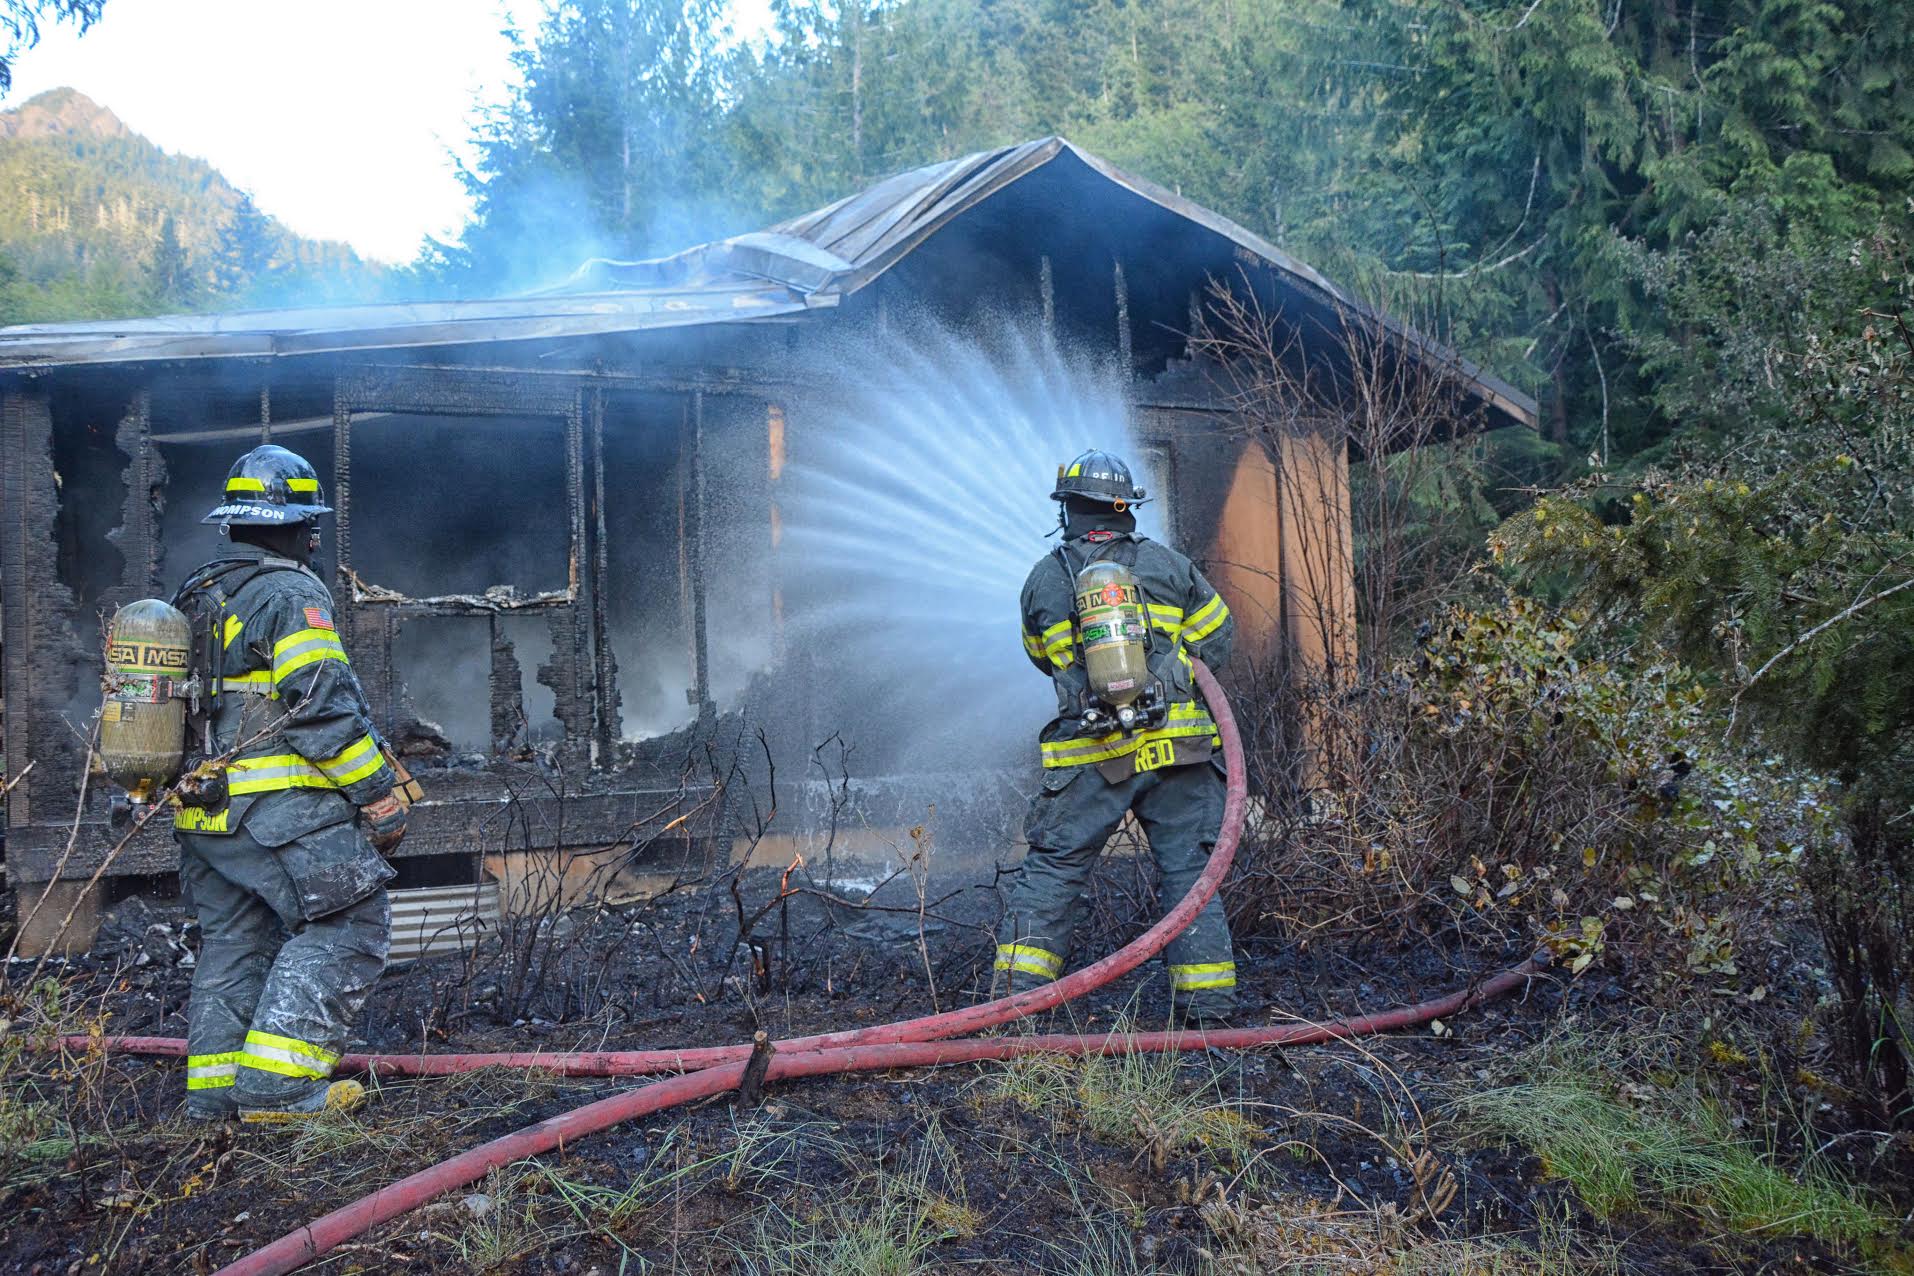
245	251
608	147
1518	140
10	308
169	274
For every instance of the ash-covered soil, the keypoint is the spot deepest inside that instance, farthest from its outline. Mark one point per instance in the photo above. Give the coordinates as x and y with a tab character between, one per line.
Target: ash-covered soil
1252	1161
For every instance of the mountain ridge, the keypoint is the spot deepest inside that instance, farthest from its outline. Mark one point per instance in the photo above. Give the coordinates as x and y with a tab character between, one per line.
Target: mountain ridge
61	112
97	221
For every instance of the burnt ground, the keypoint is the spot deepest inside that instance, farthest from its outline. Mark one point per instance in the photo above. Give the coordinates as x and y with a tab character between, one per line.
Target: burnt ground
1331	1158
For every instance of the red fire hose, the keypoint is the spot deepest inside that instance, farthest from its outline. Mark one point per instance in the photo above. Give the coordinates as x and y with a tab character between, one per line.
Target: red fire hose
297	1248
908	1043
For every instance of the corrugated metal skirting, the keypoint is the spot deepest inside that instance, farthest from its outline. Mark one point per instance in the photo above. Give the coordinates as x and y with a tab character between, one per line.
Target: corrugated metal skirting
441	919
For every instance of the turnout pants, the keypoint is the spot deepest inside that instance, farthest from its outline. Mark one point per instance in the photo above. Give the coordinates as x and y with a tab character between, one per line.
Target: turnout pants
1181	810
292	939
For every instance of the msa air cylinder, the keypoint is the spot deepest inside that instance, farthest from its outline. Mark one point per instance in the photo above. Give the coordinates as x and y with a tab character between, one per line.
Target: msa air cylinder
1112	632
143	717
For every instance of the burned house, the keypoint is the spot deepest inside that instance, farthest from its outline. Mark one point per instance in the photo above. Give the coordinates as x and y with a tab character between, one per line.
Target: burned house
534	494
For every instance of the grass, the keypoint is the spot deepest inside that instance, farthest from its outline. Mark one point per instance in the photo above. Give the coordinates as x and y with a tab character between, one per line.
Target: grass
508	1223
1642	1147
398	1127
756	1157
1300	1238
1159	1104
886	1225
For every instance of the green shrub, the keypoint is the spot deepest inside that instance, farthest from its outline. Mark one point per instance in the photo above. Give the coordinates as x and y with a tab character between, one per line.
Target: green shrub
1509	783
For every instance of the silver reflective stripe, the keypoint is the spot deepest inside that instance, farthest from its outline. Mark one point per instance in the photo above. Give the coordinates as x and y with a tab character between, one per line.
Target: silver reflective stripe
249	687
212	1070
248	774
256	1052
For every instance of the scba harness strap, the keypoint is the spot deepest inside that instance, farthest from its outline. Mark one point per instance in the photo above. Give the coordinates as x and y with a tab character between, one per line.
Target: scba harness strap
207	601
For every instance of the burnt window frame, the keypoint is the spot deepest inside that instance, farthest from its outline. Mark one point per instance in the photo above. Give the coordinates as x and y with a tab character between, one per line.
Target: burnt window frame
462	395
375	617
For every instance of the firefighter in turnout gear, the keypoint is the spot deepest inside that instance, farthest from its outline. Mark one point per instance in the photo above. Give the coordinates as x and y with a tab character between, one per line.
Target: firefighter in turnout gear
282	822
1155	753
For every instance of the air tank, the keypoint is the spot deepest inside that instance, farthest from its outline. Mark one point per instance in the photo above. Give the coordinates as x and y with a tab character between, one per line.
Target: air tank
1112	632
143	714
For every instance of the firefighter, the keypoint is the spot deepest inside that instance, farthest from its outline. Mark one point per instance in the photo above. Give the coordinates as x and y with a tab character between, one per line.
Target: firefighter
1168	772
282	834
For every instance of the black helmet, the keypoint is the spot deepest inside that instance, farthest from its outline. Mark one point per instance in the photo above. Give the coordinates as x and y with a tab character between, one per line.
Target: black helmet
1097	476
270	487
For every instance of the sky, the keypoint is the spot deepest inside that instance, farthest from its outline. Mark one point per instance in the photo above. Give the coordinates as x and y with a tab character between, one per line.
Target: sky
340	117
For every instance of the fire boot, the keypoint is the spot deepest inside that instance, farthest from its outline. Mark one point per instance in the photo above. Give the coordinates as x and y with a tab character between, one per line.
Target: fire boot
339	1096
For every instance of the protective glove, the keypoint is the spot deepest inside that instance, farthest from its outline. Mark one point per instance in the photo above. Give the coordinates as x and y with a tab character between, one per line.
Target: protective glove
384	823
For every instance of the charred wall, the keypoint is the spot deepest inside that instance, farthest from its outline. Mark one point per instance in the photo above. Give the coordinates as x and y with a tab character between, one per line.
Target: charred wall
553	579
480	517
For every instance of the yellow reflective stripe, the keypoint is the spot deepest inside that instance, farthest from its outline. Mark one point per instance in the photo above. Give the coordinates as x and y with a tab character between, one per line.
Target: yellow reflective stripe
1166	618
233	626
1193	722
304	647
1207	620
287	1056
354	763
1213	974
243	484
1081	752
275	771
1031	645
293	1045
1030	959
302	485
299	638
1059	644
1203	968
267	1061
283	671
211	1071
194	1061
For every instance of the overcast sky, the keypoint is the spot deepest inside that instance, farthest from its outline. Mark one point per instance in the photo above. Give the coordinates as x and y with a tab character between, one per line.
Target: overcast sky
336	115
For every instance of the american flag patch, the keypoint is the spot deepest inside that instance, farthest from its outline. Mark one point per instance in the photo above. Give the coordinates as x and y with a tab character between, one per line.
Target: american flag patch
317	619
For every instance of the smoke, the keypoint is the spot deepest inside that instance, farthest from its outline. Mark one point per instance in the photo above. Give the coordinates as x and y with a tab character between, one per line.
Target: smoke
917	503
